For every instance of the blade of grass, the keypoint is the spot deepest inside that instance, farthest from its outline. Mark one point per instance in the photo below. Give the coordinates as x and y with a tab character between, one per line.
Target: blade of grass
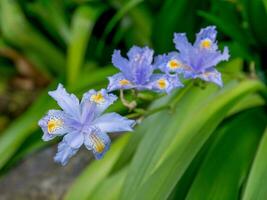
96	172
256	186
172	162
226	166
18	31
82	26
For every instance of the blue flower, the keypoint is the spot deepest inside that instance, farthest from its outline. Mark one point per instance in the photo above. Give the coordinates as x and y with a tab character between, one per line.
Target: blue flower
82	123
169	63
137	72
198	60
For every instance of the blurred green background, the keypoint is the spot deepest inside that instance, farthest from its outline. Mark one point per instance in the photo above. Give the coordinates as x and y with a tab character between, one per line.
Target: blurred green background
210	144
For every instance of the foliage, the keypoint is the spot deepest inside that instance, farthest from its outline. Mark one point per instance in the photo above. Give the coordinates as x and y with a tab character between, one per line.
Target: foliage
205	142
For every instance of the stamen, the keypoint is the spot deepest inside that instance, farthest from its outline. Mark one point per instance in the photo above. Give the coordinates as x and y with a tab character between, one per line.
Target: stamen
124	82
53	125
98	98
162	83
206	43
174	64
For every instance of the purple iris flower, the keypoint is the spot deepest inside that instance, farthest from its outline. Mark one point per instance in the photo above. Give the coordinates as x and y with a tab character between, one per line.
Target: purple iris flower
82	123
169	63
198	60
137	72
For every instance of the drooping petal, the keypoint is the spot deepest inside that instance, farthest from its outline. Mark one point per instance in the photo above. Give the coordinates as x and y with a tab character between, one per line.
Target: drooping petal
64	153
121	63
113	122
212	76
141	64
212	59
98	142
101	98
118	81
68	102
206	38
74	139
54	123
165	83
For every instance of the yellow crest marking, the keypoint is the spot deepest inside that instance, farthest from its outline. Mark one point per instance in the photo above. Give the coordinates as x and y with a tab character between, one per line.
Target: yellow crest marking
53	124
98	143
162	83
206	43
174	64
98	98
124	82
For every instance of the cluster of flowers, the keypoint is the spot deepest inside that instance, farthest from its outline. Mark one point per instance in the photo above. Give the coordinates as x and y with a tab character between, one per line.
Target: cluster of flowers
83	122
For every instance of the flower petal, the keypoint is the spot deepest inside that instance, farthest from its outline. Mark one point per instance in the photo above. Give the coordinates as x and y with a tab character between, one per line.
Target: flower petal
98	142
113	122
206	38
181	43
169	63
101	98
121	63
54	123
140	64
64	153
214	58
212	76
74	139
68	102
165	83
118	81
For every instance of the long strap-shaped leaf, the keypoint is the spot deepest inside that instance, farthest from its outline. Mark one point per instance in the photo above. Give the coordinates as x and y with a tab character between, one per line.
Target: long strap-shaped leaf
88	181
82	26
18	31
227	164
187	139
256	187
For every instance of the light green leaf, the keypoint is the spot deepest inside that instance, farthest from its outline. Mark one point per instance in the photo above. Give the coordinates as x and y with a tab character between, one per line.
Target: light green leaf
256	187
110	187
21	128
82	26
96	172
18	31
184	138
226	166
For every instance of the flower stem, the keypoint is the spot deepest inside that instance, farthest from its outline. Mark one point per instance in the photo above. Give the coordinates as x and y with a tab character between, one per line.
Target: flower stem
131	105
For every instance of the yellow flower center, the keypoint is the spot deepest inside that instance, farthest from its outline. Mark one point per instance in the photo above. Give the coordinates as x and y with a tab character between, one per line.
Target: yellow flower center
53	124
206	43
98	143
162	83
98	98
124	82
174	64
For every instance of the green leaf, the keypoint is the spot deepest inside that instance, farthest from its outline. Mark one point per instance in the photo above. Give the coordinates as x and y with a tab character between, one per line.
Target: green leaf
231	29
111	186
83	22
18	31
96	172
114	20
21	128
256	15
226	166
53	17
171	18
180	143
256	187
